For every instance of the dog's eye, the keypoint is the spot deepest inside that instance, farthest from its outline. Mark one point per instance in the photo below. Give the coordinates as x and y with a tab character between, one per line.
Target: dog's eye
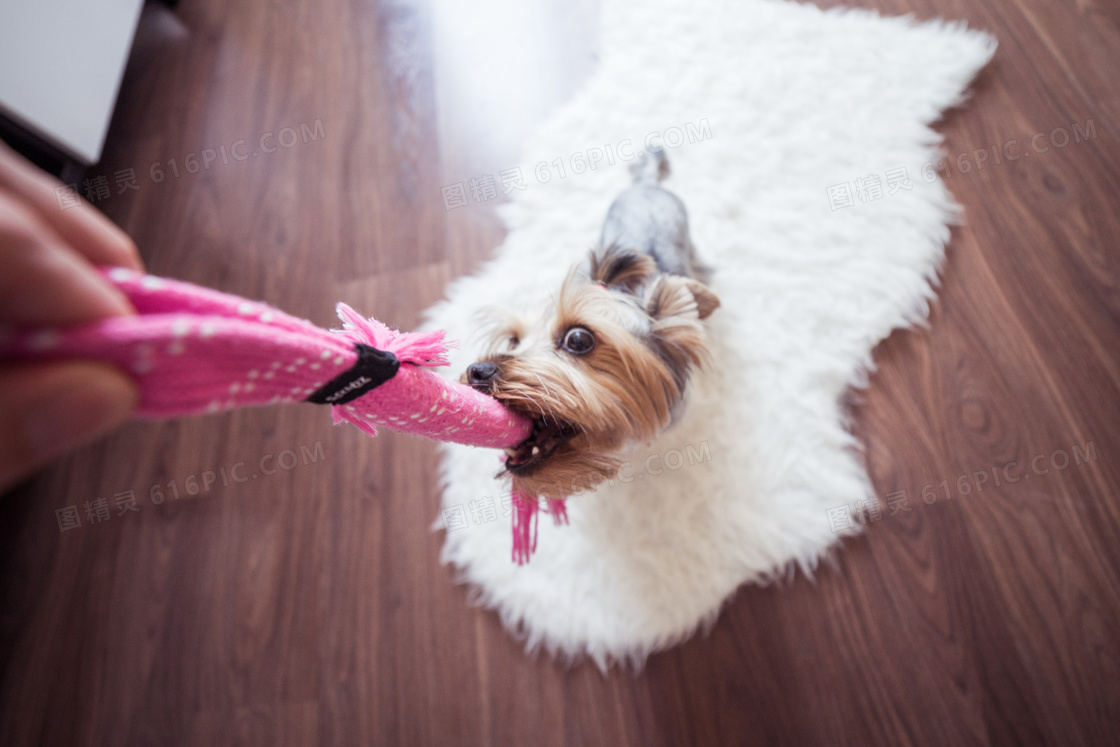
513	342
578	341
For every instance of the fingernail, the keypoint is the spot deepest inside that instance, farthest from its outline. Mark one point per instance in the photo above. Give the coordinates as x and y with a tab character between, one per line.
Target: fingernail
79	409
95	291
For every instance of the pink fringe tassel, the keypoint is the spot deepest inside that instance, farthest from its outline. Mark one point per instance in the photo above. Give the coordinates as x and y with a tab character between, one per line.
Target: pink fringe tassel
418	348
559	510
525	517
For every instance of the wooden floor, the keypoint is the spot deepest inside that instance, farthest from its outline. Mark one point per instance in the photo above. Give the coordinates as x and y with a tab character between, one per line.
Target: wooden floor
308	605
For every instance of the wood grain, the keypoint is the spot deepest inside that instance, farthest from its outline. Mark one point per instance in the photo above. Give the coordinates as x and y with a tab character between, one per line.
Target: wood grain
307	605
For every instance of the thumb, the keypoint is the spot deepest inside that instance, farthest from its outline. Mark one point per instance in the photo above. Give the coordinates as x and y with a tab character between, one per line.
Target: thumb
48	409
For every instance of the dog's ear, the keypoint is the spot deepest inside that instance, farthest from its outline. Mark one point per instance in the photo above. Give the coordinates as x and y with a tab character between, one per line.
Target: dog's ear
621	269
676	296
676	305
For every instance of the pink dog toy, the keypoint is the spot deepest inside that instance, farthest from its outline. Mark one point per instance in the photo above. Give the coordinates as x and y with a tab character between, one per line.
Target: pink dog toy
194	350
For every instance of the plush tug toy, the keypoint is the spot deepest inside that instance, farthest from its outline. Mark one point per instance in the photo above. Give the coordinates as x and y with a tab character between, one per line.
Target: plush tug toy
194	350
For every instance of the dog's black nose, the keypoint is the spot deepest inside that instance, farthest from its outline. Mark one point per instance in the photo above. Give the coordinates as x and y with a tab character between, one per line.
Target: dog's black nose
481	375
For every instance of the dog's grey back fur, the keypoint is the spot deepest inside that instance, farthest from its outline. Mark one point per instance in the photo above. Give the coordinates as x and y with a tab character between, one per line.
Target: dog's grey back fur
652	220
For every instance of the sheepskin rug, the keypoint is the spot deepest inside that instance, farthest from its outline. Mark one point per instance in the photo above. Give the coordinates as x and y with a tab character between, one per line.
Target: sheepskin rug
800	142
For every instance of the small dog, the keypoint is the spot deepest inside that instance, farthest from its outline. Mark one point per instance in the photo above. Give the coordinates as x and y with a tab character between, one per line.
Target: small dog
608	362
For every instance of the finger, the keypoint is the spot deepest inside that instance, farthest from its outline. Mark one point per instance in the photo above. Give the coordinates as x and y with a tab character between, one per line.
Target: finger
43	280
83	227
48	409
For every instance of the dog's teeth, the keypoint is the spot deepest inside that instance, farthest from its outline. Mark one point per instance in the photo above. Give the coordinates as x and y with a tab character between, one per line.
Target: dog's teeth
511	452
536	450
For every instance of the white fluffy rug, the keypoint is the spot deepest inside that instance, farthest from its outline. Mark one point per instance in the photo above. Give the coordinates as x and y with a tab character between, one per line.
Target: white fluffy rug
797	101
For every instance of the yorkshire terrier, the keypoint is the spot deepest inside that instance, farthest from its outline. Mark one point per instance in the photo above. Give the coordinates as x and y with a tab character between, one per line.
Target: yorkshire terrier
608	361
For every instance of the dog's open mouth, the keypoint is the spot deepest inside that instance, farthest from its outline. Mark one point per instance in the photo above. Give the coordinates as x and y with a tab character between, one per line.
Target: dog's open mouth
547	436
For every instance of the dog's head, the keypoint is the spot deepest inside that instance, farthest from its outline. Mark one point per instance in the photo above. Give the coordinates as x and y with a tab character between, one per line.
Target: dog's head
606	363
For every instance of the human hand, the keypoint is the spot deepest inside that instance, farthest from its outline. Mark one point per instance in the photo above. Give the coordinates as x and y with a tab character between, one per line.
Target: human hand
47	277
